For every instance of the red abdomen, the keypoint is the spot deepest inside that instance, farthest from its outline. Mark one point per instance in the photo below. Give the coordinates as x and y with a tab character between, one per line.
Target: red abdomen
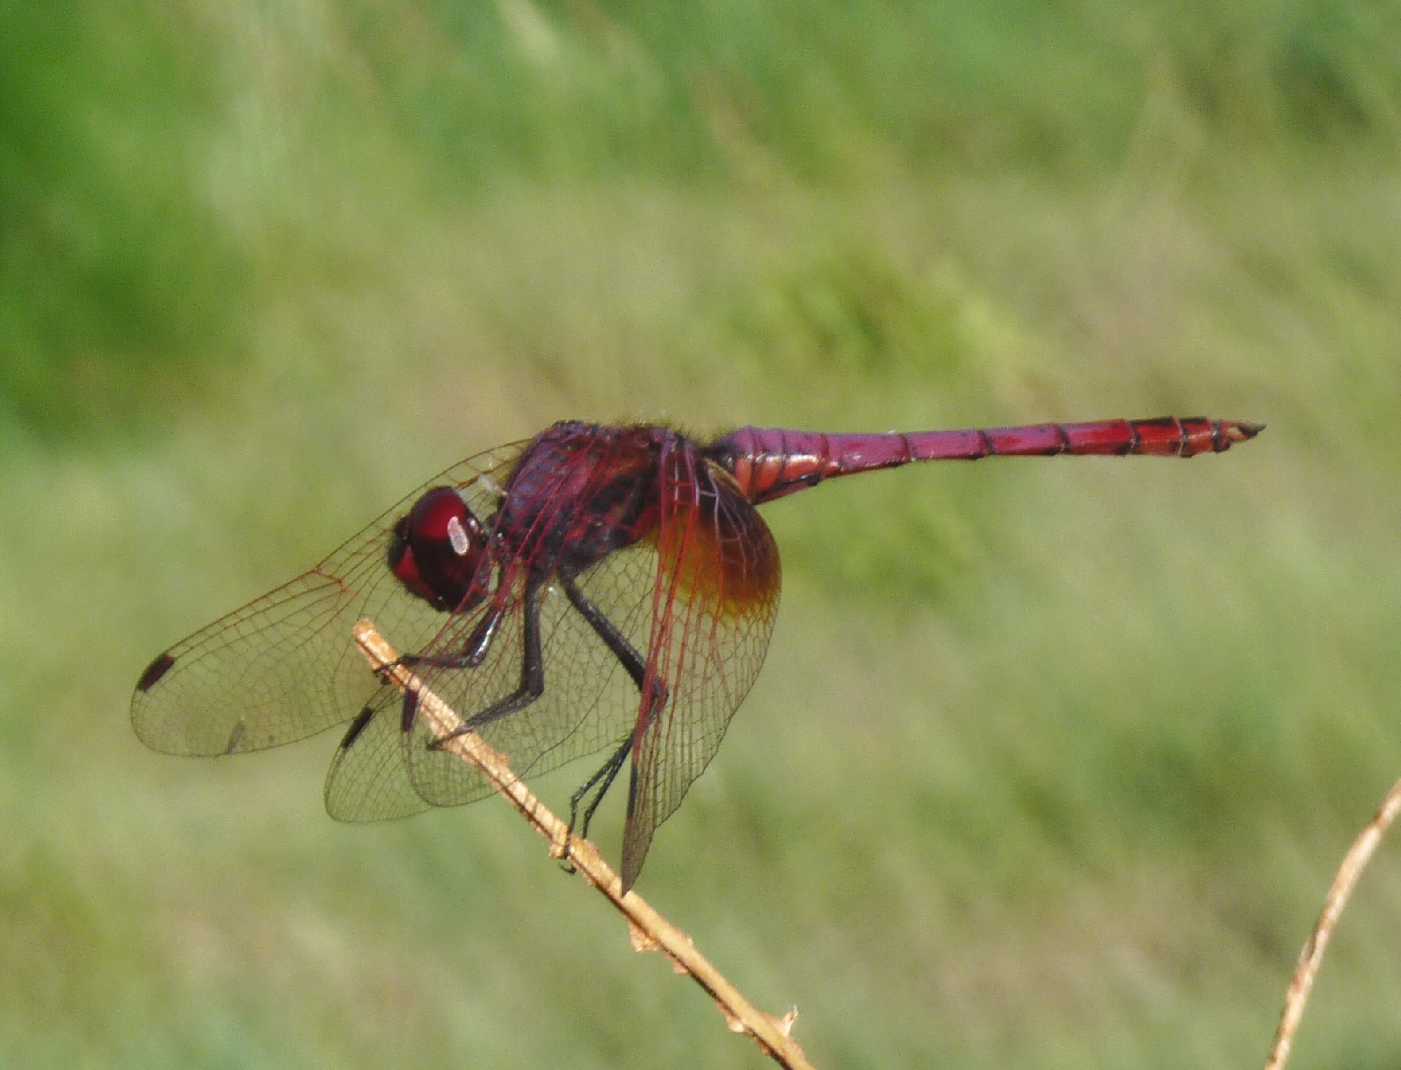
771	462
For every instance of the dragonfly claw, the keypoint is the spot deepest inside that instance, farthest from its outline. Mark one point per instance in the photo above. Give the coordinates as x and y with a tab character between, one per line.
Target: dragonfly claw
403	661
439	742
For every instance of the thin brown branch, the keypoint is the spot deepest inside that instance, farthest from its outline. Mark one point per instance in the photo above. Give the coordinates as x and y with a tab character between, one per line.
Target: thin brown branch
648	929
1311	957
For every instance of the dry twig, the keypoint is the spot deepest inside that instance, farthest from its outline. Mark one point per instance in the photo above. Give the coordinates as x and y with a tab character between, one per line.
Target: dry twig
1311	957
649	930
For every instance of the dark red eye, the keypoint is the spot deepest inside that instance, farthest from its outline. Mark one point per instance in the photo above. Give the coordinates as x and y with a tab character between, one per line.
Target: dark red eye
437	550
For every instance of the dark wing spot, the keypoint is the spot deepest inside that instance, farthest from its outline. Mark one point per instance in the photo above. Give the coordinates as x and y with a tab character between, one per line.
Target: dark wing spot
154	672
235	736
406	715
357	726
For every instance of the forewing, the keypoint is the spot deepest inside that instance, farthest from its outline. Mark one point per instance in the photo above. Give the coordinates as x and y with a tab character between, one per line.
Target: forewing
714	601
284	667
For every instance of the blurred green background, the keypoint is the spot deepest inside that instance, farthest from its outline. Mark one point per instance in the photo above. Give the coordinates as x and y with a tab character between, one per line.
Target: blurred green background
1051	761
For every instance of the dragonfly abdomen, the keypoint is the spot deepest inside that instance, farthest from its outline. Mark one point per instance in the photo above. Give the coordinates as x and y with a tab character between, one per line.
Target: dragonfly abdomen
771	462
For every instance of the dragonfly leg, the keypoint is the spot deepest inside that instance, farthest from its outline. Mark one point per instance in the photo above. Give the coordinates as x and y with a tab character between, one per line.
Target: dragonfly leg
532	684
636	667
606	774
474	651
614	640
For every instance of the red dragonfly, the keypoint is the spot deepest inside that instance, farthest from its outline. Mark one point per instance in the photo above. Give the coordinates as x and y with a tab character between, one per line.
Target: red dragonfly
592	588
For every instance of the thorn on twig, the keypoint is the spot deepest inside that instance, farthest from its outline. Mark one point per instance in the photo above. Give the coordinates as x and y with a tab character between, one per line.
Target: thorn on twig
641	941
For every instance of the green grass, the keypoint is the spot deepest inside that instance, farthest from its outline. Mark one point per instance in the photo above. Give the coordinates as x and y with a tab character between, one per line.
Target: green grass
1050	763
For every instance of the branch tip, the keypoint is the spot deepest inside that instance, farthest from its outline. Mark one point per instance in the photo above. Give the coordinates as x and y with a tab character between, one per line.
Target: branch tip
1311	957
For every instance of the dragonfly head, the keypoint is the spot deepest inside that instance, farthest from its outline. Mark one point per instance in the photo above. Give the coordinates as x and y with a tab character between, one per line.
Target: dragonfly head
438	550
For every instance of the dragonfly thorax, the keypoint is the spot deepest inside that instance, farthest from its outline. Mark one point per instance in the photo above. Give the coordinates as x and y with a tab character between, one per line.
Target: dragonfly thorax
578	494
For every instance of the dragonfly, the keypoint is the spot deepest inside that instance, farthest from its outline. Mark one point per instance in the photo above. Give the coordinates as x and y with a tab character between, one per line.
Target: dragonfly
597	588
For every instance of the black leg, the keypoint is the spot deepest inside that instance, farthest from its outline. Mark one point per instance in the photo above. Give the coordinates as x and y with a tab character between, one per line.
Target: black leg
614	640
607	773
602	779
473	653
532	684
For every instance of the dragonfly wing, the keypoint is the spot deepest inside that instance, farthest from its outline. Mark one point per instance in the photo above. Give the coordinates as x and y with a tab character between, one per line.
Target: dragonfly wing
368	780
284	667
714	602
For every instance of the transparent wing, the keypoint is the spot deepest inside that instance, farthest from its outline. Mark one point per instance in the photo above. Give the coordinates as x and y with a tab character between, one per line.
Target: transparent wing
714	602
367	780
284	667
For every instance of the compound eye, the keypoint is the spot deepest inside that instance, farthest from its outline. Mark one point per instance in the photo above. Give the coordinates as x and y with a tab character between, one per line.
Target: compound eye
437	549
440	512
